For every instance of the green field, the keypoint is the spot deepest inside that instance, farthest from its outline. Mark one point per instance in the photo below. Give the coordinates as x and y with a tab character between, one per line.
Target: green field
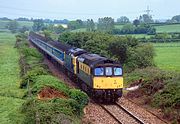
79	30
138	35
168	28
21	24
168	56
10	94
119	26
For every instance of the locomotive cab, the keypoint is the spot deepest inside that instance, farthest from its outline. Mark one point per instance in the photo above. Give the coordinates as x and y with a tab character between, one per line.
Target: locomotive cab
108	77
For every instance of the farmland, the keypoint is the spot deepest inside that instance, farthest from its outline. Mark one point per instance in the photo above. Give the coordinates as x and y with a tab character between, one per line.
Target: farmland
168	28
10	94
21	24
168	56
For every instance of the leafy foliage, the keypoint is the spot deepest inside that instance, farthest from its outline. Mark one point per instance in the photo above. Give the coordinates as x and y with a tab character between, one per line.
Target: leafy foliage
105	24
51	111
36	78
42	81
127	50
90	26
79	96
123	20
12	26
30	76
75	24
140	56
38	24
158	88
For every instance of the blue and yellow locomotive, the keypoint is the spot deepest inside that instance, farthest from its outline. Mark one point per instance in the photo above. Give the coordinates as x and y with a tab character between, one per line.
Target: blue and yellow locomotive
100	77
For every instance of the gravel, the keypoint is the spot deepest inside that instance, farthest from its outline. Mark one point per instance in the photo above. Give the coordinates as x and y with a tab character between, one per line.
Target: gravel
140	112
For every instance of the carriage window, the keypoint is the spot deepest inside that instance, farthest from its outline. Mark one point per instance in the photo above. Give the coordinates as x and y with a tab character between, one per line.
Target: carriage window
108	71
117	71
99	71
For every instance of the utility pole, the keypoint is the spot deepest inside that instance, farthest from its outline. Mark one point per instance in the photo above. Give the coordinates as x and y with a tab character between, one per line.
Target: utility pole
148	11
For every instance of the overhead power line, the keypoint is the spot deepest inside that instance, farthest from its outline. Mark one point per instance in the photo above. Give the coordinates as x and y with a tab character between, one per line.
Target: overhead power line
66	13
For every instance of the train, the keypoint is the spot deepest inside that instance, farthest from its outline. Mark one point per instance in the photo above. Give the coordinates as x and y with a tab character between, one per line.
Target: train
98	76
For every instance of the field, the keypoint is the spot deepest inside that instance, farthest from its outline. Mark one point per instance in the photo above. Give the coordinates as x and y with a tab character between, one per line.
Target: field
168	28
168	56
119	26
21	24
138	35
10	94
79	30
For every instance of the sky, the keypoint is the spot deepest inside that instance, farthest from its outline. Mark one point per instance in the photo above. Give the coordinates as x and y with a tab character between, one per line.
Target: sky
92	9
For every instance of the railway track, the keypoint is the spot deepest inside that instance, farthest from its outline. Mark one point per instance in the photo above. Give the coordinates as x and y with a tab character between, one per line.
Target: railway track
121	114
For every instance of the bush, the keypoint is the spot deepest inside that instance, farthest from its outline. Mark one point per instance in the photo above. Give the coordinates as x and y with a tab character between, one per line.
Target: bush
169	99
31	75
42	81
159	88
170	95
139	57
31	52
51	111
79	96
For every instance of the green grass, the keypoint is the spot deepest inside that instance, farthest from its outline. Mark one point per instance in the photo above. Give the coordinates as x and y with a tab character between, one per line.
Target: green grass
168	56
25	23
79	30
21	24
10	94
119	26
138	35
3	24
168	28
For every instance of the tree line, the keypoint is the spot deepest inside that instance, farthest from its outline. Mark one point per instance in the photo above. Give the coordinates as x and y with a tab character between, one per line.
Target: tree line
127	50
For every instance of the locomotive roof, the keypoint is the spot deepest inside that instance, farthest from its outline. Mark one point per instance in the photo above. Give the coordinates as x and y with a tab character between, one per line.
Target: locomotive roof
94	59
76	51
60	45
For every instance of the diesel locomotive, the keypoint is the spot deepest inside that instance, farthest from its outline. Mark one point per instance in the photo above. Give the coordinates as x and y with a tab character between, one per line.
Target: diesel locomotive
98	76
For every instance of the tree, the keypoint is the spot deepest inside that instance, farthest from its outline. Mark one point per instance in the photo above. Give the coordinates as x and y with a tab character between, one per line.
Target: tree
176	19
105	24
90	26
75	24
123	20
119	47
12	26
145	18
136	22
47	35
59	29
23	29
140	56
127	29
38	24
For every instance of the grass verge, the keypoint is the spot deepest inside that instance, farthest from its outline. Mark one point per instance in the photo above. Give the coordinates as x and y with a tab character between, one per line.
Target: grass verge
10	94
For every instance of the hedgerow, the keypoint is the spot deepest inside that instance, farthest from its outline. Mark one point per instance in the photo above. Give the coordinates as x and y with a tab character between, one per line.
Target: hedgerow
35	77
31	75
50	111
42	81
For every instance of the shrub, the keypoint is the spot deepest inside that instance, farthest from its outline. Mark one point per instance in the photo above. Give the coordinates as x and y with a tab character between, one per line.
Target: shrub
160	88
79	96
42	81
31	75
51	111
31	52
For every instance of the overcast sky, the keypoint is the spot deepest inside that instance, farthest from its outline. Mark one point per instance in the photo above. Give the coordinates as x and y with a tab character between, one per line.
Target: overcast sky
82	9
